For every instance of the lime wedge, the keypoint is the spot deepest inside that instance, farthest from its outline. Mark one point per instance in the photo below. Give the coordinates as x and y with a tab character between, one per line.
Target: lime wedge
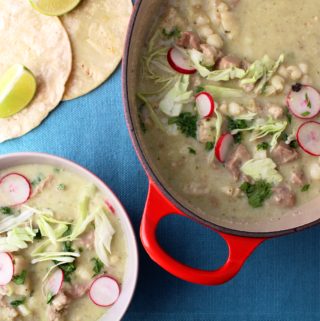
54	7
17	88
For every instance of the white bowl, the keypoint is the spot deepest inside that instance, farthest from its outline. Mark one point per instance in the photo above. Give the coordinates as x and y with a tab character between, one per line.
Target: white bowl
117	311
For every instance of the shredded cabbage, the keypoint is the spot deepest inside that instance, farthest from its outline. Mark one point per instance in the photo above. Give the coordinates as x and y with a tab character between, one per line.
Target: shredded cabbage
153	114
226	74
173	101
260	130
11	222
219	92
248	116
218	126
262	71
17	239
103	235
262	169
197	58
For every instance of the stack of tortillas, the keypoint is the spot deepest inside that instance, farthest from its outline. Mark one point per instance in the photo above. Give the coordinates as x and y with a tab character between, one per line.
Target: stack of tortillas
69	57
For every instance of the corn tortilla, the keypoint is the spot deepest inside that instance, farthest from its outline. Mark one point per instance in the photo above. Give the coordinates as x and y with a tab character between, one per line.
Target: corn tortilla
97	30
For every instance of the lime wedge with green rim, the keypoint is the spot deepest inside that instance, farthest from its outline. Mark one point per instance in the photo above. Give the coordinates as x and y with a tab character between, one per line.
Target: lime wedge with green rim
17	89
54	7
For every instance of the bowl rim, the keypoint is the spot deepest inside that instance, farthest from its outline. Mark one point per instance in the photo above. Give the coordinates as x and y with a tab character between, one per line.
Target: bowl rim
131	236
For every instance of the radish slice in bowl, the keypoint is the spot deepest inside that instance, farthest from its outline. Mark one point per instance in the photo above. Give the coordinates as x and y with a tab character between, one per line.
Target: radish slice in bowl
304	101
205	104
223	147
104	291
180	62
308	137
6	269
55	282
15	189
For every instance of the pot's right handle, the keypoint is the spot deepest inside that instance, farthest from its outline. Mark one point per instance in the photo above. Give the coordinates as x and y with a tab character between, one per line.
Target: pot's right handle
158	207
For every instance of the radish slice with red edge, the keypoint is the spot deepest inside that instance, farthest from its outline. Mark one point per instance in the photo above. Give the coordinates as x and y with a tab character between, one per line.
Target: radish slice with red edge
205	104
180	62
104	291
15	189
308	137
6	269
223	147
304	101
54	283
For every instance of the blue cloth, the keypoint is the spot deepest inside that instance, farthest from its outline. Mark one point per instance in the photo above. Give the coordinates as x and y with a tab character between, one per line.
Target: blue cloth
280	282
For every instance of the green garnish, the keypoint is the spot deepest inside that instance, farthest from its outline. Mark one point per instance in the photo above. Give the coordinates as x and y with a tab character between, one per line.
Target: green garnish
67	247
237	124
37	180
186	122
192	151
19	279
57	170
288	115
305	188
68	269
97	266
50	297
199	89
6	210
309	105
209	146
173	33
294	144
305	114
38	235
263	146
257	193
16	303
61	187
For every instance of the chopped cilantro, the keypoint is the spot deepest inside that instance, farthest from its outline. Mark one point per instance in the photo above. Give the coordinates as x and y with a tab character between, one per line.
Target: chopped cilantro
192	151
50	298
305	188
61	187
288	115
305	114
68	269
186	122
97	266
263	146
199	89
257	193
6	210
173	33
37	180
294	144
16	303
38	235
209	146
68	231
19	279
284	137
309	105
67	247
237	124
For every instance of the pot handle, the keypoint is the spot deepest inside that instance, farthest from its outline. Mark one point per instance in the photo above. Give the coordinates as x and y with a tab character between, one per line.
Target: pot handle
158	207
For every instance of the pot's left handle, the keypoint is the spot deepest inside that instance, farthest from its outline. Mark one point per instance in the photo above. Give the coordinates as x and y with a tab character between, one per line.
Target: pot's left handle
158	207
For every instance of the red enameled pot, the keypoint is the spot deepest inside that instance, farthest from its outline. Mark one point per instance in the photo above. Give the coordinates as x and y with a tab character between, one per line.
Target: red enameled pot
242	238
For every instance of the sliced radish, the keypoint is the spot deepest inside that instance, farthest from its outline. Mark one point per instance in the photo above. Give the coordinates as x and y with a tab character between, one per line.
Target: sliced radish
104	291
308	137
223	147
55	282
6	268
179	62
304	101
15	189
205	104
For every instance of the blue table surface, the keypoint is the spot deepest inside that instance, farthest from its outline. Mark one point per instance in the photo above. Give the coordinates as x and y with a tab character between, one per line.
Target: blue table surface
280	282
